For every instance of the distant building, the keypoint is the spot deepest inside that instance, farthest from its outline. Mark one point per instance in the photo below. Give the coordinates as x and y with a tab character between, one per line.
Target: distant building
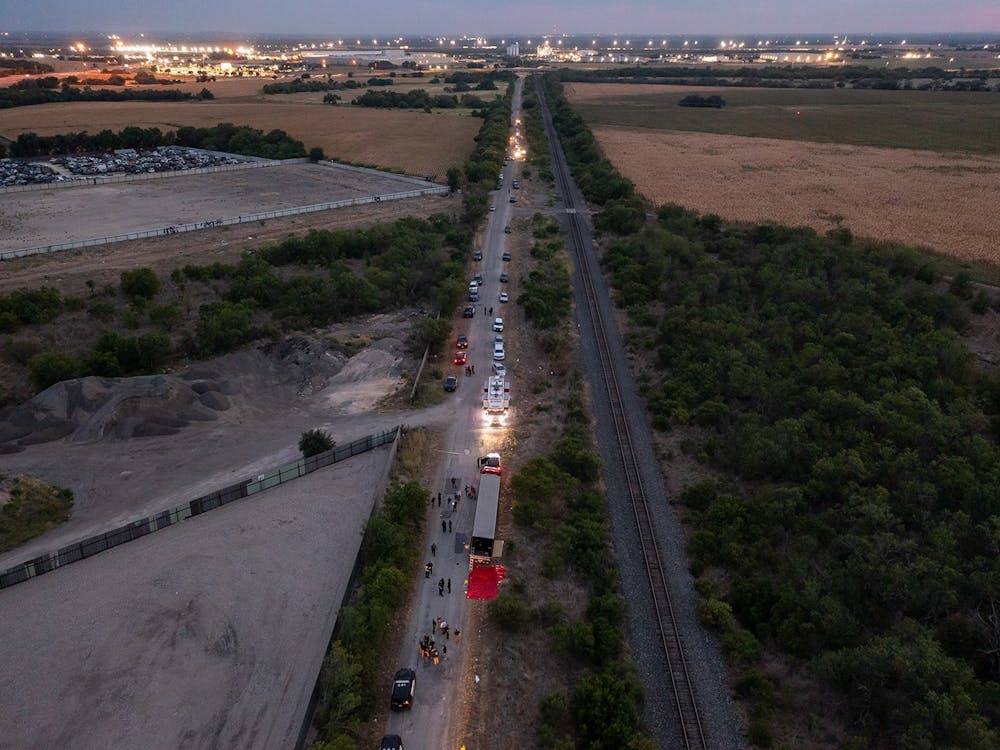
514	50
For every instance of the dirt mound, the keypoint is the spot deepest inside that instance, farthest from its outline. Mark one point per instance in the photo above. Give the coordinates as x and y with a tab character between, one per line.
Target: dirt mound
93	409
367	377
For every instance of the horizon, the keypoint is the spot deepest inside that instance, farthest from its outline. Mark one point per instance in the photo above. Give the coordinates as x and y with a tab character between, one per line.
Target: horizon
474	17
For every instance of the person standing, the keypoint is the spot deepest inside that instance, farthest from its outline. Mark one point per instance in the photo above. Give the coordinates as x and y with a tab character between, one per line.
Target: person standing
441	587
444	527
434	549
449	526
449	585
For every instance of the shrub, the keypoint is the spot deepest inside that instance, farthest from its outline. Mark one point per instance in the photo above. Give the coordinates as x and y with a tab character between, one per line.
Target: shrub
314	442
34	508
52	367
140	283
510	611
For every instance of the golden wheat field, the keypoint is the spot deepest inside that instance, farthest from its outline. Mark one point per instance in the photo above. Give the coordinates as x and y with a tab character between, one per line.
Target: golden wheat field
415	142
943	201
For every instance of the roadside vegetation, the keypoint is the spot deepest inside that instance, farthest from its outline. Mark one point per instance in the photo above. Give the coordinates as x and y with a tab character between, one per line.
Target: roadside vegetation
845	538
233	139
350	691
29	508
559	507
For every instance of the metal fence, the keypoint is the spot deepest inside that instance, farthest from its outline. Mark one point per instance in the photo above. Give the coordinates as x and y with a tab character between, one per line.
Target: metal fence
123	534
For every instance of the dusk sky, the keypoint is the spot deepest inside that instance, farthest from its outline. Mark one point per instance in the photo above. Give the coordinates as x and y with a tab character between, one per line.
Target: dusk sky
516	17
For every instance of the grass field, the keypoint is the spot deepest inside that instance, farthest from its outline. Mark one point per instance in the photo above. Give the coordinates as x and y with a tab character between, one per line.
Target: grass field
929	120
414	142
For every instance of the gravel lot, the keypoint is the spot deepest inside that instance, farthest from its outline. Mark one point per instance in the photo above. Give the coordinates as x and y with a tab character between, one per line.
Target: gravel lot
48	217
207	634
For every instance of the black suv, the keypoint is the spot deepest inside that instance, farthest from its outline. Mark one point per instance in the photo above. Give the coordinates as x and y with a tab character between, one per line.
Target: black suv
469	312
505	257
504	278
478	255
402	689
391	742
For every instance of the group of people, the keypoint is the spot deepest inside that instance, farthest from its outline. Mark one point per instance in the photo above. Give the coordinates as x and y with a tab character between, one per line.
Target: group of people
470	370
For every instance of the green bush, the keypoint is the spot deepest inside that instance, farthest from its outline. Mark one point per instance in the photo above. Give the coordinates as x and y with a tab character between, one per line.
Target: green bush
314	442
32	509
223	326
509	611
140	283
29	307
52	367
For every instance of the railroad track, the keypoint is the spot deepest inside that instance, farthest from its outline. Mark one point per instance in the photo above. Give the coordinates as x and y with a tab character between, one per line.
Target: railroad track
685	700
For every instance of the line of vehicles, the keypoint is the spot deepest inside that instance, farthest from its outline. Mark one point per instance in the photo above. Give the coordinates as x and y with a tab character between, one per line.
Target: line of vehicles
484	547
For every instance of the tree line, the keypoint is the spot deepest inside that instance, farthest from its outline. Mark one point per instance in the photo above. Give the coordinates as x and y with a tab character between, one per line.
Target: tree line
30	91
417	99
848	530
20	67
234	139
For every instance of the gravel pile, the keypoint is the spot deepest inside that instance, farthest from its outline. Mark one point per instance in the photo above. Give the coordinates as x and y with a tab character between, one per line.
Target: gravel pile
131	161
26	173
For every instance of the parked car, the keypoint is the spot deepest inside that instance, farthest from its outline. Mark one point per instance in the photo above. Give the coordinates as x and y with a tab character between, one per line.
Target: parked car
469	312
505	256
498	354
460	358
493	208
513	199
402	689
478	255
498	325
499	369
498	339
391	742
506	229
504	278
504	297
462	342
450	383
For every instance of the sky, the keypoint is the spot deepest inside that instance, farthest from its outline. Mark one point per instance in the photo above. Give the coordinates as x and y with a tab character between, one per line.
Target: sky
497	17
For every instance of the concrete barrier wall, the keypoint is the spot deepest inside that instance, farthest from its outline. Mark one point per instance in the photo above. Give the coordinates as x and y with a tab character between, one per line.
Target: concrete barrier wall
131	531
177	229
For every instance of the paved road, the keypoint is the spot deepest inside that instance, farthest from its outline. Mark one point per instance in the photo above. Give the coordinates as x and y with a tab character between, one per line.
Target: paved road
447	690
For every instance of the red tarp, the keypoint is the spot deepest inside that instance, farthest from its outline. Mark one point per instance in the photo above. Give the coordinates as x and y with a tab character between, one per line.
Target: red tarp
484	581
